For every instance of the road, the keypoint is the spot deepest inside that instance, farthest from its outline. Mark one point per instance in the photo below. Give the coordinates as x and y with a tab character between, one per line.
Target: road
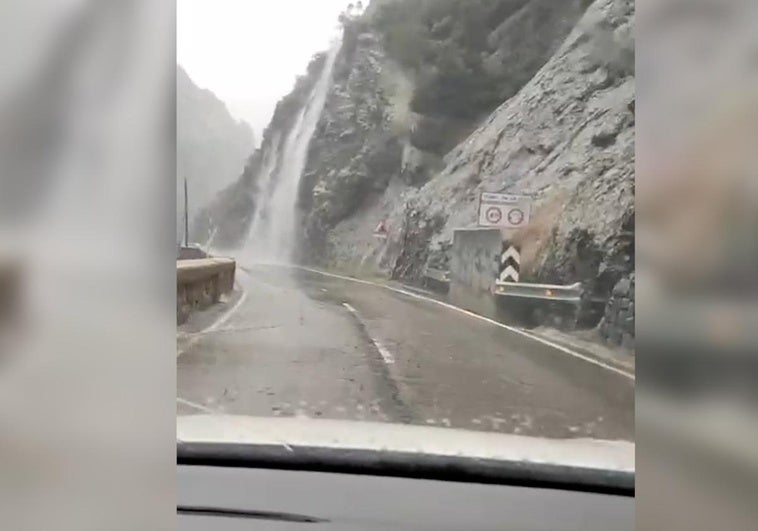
302	343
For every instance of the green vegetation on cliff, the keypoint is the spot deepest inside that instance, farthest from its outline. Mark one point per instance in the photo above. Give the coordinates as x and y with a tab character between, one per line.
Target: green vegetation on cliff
461	53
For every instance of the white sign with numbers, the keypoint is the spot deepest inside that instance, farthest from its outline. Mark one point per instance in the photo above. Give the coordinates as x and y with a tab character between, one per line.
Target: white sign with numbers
504	210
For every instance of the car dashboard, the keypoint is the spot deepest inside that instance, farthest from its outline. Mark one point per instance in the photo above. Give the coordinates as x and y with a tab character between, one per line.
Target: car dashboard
299	488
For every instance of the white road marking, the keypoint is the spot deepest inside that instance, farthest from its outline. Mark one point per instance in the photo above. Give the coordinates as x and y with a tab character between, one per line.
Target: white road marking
199	407
515	330
387	356
232	329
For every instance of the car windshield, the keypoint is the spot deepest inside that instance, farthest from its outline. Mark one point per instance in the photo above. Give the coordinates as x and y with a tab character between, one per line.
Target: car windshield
407	213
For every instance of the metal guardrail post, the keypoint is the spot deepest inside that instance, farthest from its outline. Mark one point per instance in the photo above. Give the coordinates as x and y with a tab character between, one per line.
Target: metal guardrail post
437	274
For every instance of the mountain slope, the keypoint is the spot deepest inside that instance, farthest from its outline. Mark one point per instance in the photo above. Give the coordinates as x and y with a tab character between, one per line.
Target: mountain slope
408	140
413	79
211	145
568	139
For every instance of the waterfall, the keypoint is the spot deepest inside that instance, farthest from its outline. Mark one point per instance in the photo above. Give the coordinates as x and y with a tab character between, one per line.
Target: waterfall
273	231
259	225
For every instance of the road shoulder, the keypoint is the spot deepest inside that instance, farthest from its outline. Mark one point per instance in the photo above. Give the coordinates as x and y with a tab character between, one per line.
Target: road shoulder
588	343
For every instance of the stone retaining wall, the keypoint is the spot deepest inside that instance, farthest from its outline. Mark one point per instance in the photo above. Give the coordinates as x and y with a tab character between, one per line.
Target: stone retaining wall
200	284
617	325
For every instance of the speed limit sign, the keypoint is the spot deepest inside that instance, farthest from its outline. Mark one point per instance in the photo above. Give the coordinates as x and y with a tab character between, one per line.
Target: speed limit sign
516	216
494	215
504	210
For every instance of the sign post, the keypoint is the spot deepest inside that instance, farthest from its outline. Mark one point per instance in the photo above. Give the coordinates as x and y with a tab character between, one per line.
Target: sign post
186	215
381	231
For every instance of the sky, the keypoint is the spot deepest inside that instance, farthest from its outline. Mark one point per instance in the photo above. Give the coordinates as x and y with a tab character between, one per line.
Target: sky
249	52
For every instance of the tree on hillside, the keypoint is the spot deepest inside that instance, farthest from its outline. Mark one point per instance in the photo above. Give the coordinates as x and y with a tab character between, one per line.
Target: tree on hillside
445	43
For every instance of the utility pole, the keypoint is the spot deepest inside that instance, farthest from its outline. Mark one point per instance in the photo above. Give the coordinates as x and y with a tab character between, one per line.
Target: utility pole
186	215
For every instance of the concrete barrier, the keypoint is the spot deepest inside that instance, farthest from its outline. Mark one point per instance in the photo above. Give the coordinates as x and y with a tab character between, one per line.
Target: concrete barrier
191	253
200	284
473	269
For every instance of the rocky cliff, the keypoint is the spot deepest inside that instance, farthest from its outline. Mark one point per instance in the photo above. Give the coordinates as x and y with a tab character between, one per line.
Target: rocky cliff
567	138
413	80
433	102
211	145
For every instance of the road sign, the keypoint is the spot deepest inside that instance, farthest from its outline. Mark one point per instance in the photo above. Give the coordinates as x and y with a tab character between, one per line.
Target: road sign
510	263
504	210
493	214
381	230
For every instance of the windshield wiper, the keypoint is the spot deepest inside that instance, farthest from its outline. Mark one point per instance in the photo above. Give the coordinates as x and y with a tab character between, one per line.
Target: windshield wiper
221	512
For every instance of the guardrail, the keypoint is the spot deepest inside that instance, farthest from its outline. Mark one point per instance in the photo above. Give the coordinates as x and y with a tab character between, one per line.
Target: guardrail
436	279
200	284
437	274
560	305
552	292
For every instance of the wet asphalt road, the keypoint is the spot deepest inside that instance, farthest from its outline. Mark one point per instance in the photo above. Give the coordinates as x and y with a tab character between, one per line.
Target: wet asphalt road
301	343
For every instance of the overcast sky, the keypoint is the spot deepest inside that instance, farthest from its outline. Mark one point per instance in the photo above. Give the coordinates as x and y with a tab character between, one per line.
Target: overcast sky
249	52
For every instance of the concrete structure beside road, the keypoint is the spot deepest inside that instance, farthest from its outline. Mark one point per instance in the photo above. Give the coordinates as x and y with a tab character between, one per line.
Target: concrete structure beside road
474	268
191	253
200	283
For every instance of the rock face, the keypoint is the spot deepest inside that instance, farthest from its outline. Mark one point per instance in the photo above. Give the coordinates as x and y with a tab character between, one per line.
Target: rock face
211	146
434	102
386	130
617	325
567	138
353	154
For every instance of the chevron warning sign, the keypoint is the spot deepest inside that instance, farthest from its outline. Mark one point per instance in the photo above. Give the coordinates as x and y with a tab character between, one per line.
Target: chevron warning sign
510	263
